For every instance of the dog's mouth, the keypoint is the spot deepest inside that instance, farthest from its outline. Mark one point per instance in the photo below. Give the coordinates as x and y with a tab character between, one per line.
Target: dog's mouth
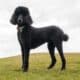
19	24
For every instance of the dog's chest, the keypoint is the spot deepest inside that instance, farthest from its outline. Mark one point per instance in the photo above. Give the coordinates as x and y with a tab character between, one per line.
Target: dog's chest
23	34
20	29
20	32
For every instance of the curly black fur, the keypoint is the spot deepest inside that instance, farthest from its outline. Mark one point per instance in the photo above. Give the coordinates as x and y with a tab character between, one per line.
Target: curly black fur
30	37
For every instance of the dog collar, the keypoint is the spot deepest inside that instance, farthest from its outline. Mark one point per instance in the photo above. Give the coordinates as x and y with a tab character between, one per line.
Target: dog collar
20	29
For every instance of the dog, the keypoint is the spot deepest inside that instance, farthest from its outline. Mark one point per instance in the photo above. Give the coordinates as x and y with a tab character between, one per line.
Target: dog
30	37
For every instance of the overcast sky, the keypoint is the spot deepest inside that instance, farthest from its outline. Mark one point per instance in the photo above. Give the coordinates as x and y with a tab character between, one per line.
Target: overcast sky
64	13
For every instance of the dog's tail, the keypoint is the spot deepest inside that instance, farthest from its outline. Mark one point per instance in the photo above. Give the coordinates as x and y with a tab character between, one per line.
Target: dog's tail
65	37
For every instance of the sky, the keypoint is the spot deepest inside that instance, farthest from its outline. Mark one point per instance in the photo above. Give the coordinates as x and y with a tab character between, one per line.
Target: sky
63	13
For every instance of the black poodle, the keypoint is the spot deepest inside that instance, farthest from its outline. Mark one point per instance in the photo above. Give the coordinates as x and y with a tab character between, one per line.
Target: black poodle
30	37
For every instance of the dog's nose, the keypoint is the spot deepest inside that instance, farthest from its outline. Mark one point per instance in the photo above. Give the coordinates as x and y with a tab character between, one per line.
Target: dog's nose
19	21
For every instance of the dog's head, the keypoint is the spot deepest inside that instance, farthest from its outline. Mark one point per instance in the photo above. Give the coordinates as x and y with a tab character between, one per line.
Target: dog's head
21	16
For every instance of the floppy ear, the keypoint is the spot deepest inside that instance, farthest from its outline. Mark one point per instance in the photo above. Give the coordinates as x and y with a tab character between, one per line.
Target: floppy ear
29	20
13	19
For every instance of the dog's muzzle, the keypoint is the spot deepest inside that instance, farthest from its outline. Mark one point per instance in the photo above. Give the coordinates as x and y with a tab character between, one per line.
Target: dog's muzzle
20	20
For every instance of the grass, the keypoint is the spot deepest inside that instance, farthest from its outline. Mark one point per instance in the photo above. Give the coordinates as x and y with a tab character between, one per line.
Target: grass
10	68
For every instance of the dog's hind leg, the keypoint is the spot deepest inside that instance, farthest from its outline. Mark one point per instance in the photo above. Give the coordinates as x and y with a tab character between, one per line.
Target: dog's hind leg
51	48
60	49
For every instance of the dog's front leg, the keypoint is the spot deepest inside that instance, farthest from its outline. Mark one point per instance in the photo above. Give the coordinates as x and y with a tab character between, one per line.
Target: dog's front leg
26	47
26	59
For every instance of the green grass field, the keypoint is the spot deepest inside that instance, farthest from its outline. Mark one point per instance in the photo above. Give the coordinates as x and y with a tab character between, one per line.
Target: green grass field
10	68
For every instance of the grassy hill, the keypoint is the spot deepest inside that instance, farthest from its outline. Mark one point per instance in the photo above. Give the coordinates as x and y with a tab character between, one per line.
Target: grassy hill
10	68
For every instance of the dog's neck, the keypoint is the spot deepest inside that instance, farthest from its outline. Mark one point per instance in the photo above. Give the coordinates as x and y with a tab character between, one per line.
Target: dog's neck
20	29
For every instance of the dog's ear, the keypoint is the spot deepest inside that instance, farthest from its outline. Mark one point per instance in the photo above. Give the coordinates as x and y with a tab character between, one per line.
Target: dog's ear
28	17
29	20
13	19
